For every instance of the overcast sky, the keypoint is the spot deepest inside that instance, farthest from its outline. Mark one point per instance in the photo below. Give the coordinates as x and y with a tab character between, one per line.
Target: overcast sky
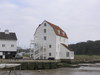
80	19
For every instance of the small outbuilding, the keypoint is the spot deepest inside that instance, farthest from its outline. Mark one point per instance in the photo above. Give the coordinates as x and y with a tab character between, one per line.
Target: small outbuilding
8	45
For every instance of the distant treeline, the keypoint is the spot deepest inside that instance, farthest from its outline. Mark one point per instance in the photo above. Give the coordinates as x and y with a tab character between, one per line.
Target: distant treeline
86	48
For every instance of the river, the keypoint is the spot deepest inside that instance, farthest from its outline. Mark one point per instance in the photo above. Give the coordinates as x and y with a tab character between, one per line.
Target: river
83	70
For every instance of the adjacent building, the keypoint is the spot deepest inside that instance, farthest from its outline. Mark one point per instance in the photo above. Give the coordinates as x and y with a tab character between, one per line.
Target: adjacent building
8	45
51	42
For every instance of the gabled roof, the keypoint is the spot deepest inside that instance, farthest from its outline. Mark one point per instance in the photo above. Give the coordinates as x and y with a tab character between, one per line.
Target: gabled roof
58	30
10	36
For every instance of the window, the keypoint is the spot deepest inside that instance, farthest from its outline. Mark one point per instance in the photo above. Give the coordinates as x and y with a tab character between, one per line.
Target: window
44	24
12	45
3	45
44	30
63	33
44	37
49	54
67	54
50	46
58	31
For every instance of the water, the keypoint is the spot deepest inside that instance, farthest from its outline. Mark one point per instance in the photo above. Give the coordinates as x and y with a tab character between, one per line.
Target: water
83	70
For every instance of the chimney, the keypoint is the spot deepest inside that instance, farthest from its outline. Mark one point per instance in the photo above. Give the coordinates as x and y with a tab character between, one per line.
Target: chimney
6	31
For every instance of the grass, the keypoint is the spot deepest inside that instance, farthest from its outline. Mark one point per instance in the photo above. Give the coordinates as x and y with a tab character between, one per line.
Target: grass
87	58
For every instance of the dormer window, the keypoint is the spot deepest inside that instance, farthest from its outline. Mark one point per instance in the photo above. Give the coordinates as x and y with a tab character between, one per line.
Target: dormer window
58	31
63	33
44	24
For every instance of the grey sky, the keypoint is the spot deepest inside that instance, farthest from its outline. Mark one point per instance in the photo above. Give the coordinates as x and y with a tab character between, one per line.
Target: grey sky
80	19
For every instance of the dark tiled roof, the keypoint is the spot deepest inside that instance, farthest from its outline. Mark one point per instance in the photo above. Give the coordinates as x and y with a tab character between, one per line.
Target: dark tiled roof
56	29
10	36
65	46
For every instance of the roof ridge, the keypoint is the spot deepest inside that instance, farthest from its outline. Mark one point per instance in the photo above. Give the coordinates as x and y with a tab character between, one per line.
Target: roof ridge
51	23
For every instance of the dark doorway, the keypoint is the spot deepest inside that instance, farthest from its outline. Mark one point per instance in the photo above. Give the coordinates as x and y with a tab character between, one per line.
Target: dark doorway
0	57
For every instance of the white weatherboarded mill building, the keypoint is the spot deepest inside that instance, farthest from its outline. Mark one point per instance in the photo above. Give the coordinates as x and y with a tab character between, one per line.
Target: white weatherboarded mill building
51	42
8	45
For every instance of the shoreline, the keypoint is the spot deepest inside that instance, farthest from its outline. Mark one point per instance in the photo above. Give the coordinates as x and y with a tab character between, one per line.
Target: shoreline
48	64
